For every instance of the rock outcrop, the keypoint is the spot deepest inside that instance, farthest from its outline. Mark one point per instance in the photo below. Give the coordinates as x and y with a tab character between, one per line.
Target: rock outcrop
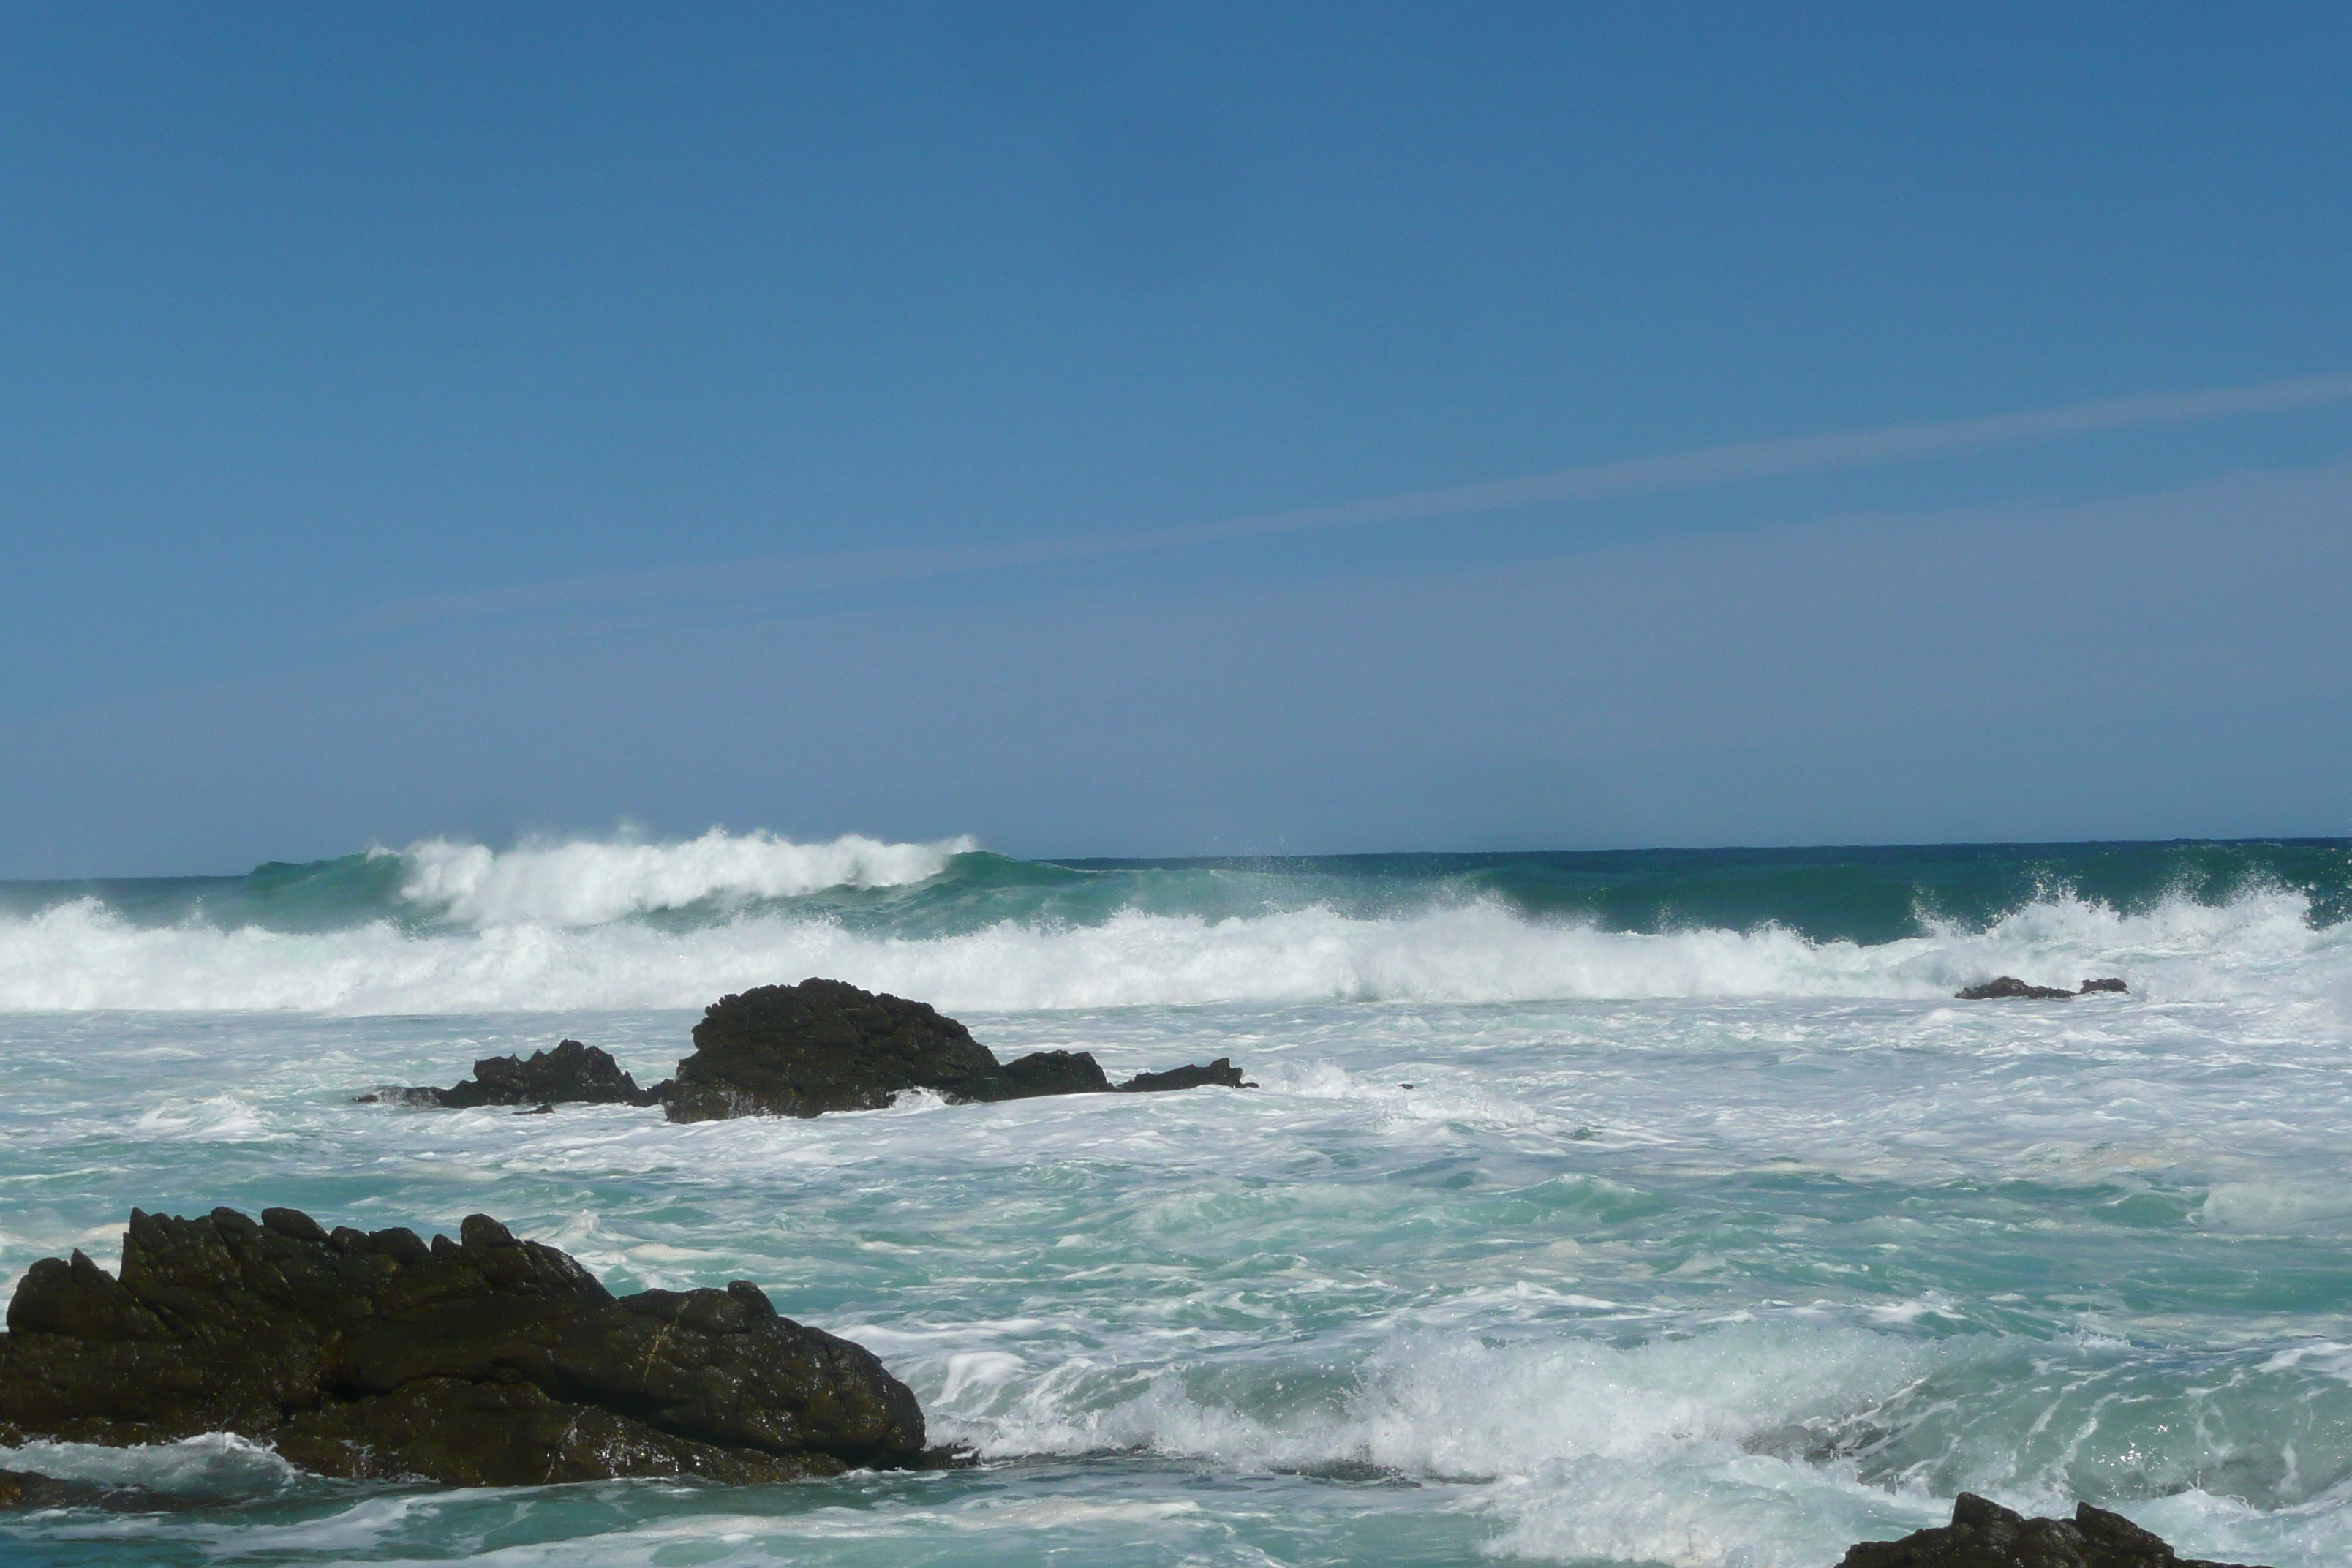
571	1074
1221	1073
1983	1534
485	1362
824	1045
2009	987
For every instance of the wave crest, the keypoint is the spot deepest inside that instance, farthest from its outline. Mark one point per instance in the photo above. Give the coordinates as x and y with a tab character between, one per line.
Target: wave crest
585	882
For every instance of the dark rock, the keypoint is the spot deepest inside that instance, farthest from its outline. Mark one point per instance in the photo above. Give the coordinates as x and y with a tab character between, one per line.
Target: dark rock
1983	1534
2009	986
571	1074
1044	1072
1222	1072
486	1361
824	1045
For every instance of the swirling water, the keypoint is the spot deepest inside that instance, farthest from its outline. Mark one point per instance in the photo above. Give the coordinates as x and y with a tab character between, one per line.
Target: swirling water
1632	1209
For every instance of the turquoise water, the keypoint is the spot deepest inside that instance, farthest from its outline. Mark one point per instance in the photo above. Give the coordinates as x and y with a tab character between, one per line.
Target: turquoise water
1710	1230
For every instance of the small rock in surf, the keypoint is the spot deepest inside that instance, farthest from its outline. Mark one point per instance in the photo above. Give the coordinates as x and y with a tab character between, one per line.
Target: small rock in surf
2010	987
571	1074
1983	1534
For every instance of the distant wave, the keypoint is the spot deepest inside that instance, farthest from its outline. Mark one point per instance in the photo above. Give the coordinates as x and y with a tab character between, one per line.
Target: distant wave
585	882
83	954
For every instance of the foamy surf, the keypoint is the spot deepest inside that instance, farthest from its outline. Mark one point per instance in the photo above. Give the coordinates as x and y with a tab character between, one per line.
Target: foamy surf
1565	1226
81	956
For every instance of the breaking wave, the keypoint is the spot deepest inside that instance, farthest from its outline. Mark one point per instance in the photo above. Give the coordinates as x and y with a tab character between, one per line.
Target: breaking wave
588	883
535	954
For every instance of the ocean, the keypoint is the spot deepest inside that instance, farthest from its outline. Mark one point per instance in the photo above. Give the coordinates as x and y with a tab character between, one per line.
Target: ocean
1656	1207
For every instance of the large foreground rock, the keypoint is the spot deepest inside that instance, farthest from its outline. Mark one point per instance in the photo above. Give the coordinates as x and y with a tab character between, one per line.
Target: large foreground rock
1983	1534
487	1361
824	1045
571	1074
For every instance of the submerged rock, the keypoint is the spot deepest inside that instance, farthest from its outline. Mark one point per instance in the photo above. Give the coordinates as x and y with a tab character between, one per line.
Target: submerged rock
20	1490
2009	985
824	1045
571	1074
1983	1534
486	1361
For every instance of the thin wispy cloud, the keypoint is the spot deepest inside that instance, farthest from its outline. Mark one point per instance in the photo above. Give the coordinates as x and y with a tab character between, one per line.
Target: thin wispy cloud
1695	469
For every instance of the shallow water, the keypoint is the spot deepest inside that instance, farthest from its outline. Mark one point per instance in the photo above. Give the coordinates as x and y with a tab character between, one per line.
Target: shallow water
1732	1271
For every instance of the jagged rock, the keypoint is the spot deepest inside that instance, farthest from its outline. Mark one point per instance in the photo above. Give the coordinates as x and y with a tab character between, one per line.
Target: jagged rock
486	1361
571	1074
1983	1534
824	1045
2009	987
1220	1072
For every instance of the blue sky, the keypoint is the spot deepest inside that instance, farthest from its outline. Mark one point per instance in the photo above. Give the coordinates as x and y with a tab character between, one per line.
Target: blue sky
948	419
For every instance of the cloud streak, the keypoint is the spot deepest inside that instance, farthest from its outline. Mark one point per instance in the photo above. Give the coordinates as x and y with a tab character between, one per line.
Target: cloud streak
1695	469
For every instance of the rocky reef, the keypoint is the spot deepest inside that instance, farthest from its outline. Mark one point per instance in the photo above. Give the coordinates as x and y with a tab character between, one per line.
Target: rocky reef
1983	1534
801	1050
571	1074
484	1361
2010	987
824	1045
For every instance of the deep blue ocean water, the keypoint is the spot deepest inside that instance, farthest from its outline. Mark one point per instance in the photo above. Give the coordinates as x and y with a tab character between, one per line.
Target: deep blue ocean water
1710	1230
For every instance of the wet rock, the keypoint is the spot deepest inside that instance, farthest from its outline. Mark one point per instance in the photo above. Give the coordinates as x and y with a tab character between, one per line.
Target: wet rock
483	1361
1220	1073
571	1074
1042	1072
824	1045
2009	985
1983	1534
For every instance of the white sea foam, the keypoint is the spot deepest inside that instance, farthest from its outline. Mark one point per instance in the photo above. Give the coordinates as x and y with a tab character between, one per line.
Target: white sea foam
1459	1408
217	1464
80	955
1576	1433
587	882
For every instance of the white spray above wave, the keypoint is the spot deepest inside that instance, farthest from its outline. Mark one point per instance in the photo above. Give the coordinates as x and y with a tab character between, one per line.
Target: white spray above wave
81	956
585	882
